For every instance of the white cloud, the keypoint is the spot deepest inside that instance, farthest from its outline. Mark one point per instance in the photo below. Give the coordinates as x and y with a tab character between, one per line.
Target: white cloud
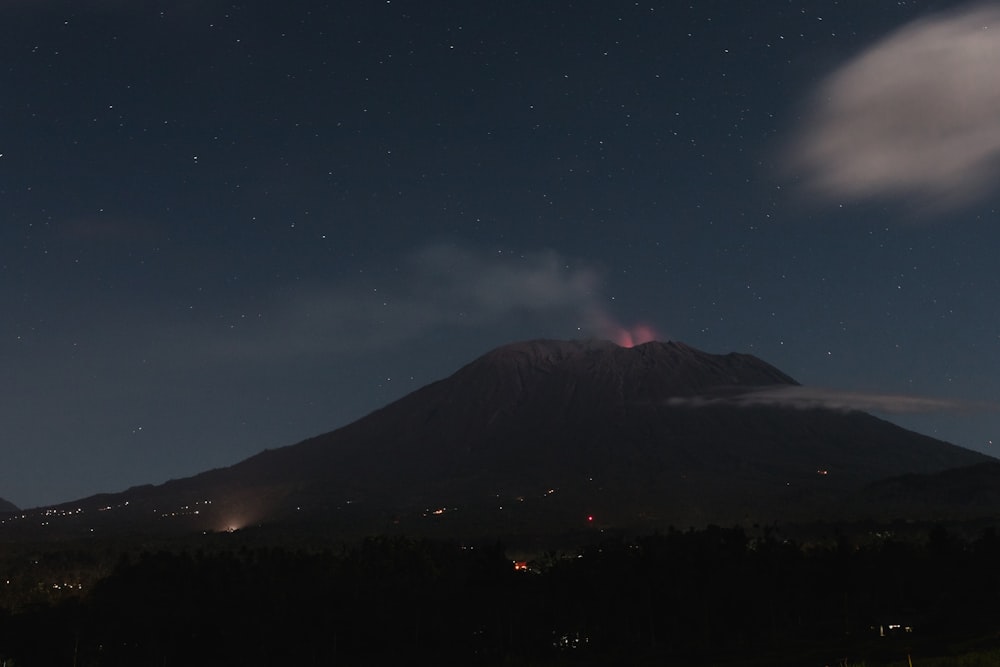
916	116
433	287
808	398
486	287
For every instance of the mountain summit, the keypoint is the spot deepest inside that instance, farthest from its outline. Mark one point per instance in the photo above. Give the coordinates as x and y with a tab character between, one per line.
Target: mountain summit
550	437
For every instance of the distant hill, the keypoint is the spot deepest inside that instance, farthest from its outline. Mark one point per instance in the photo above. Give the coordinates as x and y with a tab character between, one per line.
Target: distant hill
969	491
547	438
7	507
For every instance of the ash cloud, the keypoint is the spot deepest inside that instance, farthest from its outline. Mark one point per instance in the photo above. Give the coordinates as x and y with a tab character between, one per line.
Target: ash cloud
434	287
916	116
809	398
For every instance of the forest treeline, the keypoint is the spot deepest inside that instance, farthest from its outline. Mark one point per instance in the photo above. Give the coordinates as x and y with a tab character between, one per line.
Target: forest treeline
712	596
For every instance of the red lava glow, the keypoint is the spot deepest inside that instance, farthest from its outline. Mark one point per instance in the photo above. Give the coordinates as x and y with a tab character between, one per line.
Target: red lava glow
637	335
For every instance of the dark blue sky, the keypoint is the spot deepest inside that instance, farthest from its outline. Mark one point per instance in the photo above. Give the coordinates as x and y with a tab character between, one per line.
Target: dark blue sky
227	227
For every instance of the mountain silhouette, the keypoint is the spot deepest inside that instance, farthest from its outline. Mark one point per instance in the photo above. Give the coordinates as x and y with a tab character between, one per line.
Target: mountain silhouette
548	438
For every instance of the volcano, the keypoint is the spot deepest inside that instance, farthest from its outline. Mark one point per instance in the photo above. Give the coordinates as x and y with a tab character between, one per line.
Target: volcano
543	438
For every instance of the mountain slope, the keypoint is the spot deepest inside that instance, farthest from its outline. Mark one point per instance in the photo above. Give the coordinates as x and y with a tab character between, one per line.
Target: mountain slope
968	491
548	436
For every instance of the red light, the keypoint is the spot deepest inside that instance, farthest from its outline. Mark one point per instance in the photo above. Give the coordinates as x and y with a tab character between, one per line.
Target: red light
590	517
637	335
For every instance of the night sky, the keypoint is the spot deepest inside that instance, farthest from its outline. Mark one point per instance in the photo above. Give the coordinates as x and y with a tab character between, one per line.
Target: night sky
229	227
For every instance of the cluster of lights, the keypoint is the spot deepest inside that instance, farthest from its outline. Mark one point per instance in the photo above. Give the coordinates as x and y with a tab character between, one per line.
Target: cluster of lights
108	508
569	641
186	510
439	511
893	628
68	587
52	511
14	517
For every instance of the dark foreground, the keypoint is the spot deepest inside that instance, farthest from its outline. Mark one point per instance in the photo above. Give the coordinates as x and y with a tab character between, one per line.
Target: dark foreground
709	597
